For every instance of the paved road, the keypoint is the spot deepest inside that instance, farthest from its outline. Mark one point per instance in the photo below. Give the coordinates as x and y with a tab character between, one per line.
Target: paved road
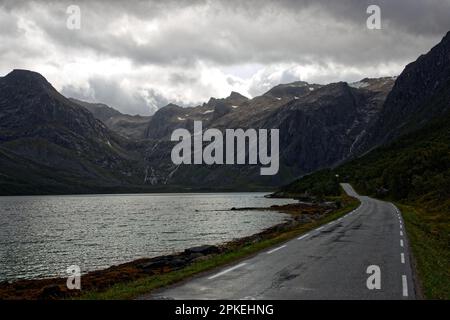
327	263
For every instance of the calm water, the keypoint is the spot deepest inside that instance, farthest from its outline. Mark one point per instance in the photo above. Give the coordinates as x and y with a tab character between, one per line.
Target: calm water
40	236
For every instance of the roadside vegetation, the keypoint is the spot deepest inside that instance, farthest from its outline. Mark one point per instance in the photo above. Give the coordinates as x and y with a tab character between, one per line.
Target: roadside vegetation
430	246
414	172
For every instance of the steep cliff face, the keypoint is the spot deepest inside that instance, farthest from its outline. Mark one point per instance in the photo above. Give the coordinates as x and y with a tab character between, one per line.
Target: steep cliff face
29	105
320	130
40	126
420	94
319	127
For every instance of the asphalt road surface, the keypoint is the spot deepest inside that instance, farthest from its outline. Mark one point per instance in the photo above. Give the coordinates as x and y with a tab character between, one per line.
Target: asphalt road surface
335	261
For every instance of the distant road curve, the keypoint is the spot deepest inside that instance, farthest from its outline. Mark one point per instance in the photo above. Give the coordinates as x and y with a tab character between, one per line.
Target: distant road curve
330	262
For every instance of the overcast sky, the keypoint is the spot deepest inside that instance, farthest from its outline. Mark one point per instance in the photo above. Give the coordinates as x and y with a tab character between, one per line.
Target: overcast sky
137	56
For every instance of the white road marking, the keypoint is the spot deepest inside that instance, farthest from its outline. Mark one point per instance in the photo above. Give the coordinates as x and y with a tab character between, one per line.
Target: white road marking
405	286
318	229
303	236
227	270
401	233
400	226
402	257
396	209
276	249
401	243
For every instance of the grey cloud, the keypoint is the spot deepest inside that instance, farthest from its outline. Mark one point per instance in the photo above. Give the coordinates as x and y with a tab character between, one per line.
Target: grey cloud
263	31
156	99
108	91
220	33
181	78
414	16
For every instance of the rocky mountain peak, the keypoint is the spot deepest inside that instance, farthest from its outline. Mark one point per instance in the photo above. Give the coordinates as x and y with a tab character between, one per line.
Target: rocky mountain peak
408	104
100	110
292	90
22	75
29	80
374	84
235	94
171	108
236	98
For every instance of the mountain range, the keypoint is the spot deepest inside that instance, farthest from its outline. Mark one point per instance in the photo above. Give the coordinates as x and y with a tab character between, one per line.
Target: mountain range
53	144
411	160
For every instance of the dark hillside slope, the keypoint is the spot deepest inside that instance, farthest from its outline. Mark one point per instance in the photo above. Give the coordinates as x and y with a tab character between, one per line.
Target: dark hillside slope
50	144
419	95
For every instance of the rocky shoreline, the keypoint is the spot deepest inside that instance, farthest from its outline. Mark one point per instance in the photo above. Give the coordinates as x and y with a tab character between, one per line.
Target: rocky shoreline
55	288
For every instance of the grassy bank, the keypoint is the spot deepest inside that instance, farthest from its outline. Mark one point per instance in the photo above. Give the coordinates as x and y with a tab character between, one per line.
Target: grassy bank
429	238
133	289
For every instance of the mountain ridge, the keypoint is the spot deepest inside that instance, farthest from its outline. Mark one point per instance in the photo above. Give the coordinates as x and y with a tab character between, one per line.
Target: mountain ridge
55	131
321	126
129	126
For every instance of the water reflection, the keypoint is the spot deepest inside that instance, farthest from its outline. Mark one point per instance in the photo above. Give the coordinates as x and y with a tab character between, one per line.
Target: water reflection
41	235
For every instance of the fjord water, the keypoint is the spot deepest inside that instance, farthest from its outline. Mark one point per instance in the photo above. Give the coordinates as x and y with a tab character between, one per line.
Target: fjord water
40	236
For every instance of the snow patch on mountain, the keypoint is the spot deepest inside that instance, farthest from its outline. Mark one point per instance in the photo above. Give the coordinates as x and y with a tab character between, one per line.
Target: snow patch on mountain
359	84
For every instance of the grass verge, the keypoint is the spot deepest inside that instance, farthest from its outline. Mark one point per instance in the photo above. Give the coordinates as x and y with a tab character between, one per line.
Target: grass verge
428	234
133	289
